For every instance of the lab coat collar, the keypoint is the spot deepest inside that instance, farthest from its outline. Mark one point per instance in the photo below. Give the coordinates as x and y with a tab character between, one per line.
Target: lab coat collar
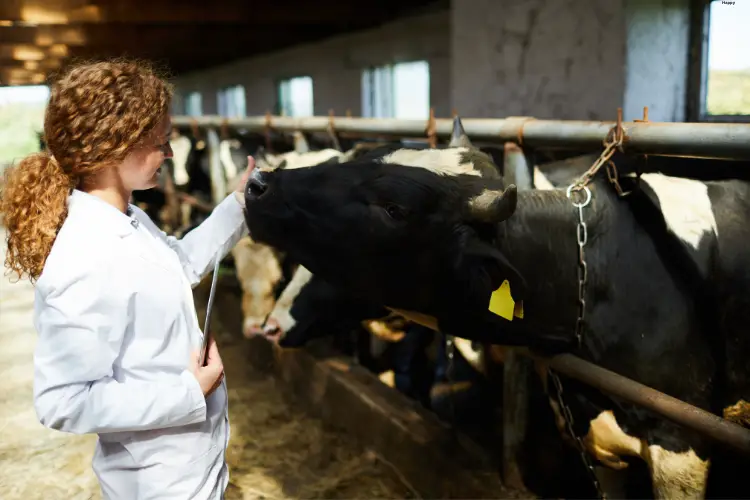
101	213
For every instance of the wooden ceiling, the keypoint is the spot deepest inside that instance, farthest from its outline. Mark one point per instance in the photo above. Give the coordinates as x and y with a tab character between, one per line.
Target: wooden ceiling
38	37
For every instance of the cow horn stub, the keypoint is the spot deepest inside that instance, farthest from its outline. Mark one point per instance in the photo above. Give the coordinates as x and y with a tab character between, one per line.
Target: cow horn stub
459	139
300	143
494	205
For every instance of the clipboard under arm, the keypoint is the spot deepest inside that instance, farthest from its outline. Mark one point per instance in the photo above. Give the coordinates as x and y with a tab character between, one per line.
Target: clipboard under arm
211	295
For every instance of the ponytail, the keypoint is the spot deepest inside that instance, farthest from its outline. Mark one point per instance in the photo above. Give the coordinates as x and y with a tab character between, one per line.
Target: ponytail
33	207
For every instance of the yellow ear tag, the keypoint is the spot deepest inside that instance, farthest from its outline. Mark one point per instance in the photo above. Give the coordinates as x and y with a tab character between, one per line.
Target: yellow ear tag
502	303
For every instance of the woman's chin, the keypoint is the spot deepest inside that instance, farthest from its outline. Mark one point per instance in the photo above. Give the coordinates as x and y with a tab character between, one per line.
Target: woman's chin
154	180
152	183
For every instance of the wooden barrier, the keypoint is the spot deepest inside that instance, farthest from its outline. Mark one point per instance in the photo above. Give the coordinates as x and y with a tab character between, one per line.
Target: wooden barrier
435	460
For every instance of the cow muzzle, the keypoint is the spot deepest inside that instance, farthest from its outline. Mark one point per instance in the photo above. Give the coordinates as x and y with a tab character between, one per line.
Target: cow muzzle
272	331
257	185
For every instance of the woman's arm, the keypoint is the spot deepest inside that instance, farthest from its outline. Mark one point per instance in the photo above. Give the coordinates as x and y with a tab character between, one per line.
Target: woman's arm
219	232
81	316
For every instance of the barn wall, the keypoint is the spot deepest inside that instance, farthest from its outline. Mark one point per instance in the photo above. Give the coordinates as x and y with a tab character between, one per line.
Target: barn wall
559	59
563	59
336	67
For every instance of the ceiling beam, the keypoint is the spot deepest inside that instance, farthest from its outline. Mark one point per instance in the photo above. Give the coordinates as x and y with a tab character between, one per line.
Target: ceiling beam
21	76
145	41
48	64
185	35
124	35
46	11
182	42
20	52
43	35
279	13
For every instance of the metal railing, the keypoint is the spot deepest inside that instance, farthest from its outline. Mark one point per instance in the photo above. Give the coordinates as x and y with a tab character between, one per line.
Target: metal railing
730	141
701	140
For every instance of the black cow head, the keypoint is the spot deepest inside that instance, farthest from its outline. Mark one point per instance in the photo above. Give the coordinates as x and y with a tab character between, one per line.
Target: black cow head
411	229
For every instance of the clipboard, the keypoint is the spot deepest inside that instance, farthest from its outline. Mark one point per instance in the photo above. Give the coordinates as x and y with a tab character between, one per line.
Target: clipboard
212	293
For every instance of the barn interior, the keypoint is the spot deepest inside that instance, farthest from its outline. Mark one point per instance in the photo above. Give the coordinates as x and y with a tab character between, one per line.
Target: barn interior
344	427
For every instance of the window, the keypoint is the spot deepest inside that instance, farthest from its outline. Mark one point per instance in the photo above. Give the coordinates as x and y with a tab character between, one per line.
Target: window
231	101
193	104
722	92
295	97
21	122
397	91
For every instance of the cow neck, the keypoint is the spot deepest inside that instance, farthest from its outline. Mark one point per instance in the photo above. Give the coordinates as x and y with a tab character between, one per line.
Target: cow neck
540	241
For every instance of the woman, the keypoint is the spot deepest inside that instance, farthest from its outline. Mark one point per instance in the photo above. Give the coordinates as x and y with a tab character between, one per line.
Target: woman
118	332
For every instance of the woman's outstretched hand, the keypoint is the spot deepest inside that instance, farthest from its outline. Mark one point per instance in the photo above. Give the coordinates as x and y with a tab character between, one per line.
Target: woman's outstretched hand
239	188
242	182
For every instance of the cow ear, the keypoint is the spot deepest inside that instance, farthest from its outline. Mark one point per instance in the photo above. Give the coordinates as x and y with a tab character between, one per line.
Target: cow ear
488	268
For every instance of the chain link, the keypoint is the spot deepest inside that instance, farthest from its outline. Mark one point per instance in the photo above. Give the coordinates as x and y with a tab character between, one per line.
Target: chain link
582	237
568	416
580	196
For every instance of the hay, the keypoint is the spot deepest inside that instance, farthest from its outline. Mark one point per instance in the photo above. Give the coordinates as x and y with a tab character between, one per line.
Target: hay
35	462
275	451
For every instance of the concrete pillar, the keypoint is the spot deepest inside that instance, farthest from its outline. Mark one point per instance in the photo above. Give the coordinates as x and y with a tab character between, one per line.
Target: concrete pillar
569	59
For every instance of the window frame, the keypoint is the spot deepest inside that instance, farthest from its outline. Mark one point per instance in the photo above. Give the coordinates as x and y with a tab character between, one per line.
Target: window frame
369	86
224	94
188	102
279	101
697	84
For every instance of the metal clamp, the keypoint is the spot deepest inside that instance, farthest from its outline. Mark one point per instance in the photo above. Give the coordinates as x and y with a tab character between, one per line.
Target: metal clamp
331	130
431	129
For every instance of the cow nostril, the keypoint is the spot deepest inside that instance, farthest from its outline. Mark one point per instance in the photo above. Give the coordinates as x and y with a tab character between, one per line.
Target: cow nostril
252	329
256	187
272	330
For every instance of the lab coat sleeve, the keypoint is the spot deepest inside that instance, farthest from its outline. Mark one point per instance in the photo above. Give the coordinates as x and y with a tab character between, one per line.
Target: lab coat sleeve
219	232
81	322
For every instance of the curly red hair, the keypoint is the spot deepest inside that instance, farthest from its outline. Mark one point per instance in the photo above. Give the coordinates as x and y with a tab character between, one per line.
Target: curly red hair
97	113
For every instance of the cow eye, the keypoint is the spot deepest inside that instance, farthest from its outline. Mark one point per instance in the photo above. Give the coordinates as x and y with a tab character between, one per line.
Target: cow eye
395	212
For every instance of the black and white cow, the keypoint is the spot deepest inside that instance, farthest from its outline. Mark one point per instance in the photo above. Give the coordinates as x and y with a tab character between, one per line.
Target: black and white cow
667	302
309	306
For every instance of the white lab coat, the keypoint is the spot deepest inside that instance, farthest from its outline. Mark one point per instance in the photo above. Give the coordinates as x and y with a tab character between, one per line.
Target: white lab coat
116	322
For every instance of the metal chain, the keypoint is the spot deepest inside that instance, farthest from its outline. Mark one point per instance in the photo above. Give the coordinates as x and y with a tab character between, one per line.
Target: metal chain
568	416
581	189
612	142
582	237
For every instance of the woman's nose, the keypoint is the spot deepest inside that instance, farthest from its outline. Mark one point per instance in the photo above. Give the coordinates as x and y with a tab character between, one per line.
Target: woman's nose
167	151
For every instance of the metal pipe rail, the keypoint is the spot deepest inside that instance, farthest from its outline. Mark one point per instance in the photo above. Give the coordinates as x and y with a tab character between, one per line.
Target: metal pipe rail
715	427
729	141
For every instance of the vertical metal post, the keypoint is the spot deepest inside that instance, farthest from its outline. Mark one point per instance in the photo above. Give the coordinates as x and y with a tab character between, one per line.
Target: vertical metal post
530	155
218	181
516	369
516	372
